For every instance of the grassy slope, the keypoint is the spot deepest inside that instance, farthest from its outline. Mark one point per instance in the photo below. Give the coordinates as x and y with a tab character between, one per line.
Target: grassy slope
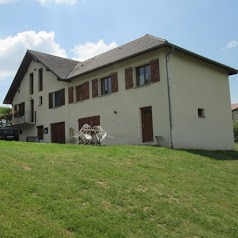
120	191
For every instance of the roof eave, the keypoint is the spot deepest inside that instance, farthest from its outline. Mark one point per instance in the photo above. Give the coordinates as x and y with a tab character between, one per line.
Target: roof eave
230	70
20	74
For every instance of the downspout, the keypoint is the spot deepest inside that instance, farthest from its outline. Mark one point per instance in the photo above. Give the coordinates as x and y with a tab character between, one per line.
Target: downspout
167	58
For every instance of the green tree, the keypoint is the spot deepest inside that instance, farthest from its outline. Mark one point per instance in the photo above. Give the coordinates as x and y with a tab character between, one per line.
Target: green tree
6	113
235	127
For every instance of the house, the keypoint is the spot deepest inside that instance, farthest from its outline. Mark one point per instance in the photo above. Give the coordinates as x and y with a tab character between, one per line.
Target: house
140	91
234	109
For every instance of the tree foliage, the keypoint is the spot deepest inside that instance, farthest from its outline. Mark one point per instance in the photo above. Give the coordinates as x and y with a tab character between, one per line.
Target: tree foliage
6	113
235	127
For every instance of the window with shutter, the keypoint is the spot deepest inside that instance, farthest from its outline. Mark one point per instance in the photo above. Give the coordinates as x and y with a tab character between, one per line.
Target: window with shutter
71	94
129	78
154	70
106	85
57	99
142	75
94	88
114	79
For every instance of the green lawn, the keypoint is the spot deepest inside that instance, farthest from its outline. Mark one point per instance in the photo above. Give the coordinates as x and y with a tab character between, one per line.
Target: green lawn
50	190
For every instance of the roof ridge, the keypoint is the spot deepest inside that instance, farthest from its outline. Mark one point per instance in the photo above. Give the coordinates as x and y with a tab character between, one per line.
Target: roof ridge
120	46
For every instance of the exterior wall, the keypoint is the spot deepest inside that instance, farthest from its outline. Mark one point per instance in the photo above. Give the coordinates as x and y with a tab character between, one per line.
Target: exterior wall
235	116
195	84
44	116
125	125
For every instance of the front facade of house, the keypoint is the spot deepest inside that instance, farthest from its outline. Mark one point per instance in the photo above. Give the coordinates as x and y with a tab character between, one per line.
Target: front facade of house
162	91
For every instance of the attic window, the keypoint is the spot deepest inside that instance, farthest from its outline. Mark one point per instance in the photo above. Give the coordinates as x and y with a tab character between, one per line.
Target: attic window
31	83
40	79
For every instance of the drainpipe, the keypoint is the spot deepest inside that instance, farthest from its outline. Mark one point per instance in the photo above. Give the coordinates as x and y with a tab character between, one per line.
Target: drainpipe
167	58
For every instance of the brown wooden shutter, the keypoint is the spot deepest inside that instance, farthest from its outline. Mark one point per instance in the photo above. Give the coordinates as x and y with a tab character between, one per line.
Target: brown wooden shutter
86	90
50	100
15	111
78	93
114	82
154	70
62	96
71	94
94	88
129	78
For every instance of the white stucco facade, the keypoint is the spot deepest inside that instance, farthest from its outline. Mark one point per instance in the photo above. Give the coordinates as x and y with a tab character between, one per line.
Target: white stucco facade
194	85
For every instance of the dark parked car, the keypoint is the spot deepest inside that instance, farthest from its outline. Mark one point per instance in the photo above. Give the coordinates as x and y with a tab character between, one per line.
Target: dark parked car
9	133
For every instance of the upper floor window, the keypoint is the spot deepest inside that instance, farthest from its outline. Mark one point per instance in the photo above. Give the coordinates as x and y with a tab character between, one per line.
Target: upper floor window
19	110
106	85
109	84
40	79
143	75
31	83
57	99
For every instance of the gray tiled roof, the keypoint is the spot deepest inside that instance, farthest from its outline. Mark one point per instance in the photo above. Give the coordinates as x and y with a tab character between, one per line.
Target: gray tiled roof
66	69
130	49
58	65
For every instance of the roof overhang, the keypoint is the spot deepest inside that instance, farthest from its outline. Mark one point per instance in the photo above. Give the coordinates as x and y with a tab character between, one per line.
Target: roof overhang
20	74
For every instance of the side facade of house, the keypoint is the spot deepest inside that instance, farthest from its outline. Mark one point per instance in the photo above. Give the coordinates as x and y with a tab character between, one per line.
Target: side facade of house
164	91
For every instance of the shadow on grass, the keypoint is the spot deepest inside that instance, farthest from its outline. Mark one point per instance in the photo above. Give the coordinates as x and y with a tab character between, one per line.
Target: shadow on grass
217	155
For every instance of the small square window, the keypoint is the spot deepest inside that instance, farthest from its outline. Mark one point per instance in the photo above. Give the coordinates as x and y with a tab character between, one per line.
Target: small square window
201	113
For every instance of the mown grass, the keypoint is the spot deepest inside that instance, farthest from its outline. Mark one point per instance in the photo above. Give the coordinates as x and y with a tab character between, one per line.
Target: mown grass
50	190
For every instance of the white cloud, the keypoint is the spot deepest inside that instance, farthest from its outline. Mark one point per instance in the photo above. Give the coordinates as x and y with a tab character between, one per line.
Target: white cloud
13	48
89	49
47	2
232	44
6	1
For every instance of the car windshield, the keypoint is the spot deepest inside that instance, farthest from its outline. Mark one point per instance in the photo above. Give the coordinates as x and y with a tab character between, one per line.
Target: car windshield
9	131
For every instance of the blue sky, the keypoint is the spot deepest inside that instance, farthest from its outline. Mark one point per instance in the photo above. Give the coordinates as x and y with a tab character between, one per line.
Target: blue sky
83	28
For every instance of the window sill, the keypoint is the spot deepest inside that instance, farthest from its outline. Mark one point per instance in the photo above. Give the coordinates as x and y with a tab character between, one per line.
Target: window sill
144	85
57	107
104	95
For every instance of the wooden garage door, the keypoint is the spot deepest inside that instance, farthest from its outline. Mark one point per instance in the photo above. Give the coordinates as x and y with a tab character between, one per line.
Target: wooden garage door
92	121
58	133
